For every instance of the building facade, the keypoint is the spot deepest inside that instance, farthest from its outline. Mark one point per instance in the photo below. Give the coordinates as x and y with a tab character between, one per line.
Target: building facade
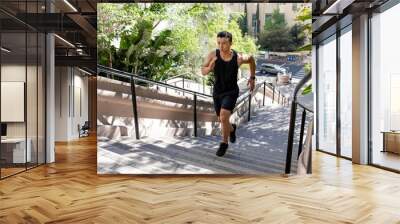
258	13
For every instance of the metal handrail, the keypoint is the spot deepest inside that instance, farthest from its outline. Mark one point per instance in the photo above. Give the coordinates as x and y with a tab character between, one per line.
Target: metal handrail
182	75
293	111
247	95
101	68
174	77
305	107
243	96
133	78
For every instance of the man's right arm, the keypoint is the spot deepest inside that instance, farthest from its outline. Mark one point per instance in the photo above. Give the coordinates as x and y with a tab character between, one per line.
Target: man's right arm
208	64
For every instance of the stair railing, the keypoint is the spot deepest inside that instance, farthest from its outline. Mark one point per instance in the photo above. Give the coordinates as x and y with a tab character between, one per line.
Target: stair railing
133	79
292	125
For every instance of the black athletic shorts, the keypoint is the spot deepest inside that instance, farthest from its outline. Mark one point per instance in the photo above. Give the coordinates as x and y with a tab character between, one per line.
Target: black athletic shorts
228	102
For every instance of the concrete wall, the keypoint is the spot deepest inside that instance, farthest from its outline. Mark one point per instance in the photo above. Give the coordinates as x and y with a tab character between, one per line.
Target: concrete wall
159	114
33	127
268	8
71	102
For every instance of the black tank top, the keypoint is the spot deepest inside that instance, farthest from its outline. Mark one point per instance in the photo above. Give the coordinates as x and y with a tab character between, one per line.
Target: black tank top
225	73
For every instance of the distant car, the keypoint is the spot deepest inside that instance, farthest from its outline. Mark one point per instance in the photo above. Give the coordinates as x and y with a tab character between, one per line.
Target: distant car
272	69
268	69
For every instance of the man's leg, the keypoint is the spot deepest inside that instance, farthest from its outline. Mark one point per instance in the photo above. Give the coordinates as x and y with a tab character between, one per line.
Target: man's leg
227	105
225	125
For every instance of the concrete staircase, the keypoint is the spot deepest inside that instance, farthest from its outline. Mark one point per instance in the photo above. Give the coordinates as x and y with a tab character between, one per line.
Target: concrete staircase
160	114
260	149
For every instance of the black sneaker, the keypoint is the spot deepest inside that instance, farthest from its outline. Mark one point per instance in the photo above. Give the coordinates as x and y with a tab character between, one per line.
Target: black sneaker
222	149
232	137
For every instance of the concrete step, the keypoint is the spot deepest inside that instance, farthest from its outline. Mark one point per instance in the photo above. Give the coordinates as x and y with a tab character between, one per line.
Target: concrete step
116	131
245	151
178	153
260	149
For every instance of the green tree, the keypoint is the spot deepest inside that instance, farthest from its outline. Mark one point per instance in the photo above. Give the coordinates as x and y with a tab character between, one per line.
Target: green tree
243	21
297	35
277	21
134	44
276	40
304	17
276	35
109	25
160	40
163	59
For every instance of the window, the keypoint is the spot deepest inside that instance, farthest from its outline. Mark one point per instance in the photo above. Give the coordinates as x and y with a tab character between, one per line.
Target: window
346	92
327	95
254	20
22	65
267	17
385	88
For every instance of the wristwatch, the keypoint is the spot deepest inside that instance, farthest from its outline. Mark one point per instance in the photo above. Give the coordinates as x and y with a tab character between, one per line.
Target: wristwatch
253	77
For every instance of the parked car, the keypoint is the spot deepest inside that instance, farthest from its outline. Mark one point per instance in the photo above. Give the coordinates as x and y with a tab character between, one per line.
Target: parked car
272	69
268	69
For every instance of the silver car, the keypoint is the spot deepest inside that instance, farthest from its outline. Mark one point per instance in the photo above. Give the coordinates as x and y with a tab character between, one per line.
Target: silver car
269	69
272	69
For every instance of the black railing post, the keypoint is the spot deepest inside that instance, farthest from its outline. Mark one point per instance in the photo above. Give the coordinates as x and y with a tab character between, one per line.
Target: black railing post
273	94
309	165
303	121
183	84
279	97
264	96
195	114
290	137
289	150
204	86
134	105
248	117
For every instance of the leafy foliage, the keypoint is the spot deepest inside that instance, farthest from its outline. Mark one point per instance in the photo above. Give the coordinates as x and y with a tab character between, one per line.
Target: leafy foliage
297	34
276	21
305	17
277	36
159	40
278	39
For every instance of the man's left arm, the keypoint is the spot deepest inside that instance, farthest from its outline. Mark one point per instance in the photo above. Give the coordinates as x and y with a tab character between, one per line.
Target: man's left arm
249	59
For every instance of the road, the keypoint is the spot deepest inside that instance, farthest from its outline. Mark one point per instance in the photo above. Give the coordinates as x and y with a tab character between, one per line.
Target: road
297	71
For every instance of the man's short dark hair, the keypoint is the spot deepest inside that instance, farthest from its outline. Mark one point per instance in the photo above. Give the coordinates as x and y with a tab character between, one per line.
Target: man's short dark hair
225	34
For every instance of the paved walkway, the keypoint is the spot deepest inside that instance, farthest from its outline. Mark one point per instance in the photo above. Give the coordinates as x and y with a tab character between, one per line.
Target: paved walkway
260	149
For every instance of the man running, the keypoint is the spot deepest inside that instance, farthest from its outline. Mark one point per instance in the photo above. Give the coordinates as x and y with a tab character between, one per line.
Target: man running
225	63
